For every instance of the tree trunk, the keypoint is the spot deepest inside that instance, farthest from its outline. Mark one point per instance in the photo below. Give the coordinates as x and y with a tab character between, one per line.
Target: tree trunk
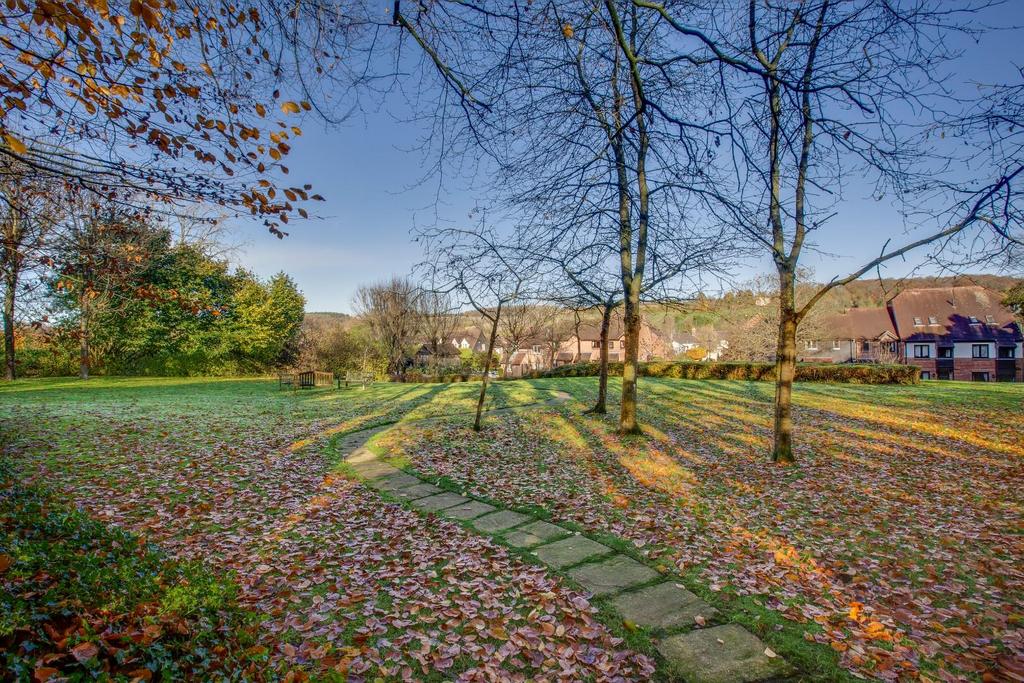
785	370
83	346
628	423
10	290
487	369
600	408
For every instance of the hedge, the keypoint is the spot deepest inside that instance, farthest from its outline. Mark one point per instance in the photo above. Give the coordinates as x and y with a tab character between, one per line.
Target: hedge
805	372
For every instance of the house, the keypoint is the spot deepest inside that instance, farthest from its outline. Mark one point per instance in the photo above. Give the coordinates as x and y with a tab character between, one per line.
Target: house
683	342
471	338
961	333
860	335
533	356
705	337
584	345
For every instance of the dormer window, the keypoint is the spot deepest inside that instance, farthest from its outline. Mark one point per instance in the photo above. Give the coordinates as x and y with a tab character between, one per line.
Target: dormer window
932	320
990	320
917	321
973	320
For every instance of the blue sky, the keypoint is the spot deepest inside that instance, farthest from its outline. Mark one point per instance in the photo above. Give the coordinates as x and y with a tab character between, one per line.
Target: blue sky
370	174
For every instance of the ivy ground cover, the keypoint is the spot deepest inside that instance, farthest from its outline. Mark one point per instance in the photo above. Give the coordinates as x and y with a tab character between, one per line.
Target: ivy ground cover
206	525
894	549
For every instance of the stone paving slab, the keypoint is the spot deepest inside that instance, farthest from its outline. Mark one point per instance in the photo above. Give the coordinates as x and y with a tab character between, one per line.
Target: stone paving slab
534	534
499	521
612	575
421	490
664	605
374	469
570	551
473	508
439	502
362	455
396	482
723	654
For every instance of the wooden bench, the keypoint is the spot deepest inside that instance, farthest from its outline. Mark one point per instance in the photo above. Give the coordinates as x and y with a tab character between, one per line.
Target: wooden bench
307	379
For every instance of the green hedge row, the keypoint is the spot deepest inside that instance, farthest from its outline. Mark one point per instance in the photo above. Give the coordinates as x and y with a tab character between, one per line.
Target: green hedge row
805	372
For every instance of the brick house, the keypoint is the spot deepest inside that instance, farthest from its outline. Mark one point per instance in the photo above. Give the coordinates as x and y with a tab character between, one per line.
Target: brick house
960	333
586	346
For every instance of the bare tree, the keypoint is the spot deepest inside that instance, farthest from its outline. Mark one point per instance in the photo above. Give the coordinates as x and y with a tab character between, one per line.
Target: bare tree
813	94
438	319
391	308
521	322
28	212
477	266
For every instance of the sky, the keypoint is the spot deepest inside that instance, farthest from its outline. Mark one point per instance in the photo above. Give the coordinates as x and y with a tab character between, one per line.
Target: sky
377	189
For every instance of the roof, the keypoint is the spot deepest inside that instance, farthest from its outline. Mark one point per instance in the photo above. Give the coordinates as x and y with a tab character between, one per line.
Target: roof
471	334
589	332
860	323
953	314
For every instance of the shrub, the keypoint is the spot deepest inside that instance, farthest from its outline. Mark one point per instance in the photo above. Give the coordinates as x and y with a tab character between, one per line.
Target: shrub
64	578
762	372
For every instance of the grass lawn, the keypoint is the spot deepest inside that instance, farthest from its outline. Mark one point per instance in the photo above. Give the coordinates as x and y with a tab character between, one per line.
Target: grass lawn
895	548
231	546
897	542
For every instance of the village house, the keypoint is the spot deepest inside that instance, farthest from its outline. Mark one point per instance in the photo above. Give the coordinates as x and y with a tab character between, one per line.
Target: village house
533	356
585	345
959	333
860	335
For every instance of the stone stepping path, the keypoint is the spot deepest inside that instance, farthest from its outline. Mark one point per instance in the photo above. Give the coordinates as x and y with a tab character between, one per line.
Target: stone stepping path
713	654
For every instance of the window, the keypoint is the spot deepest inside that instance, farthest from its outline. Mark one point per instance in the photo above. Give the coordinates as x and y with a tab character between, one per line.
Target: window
979	376
926	375
536	348
990	320
932	320
811	344
836	345
917	321
891	347
1007	351
973	320
945	374
979	351
595	344
922	351
945	352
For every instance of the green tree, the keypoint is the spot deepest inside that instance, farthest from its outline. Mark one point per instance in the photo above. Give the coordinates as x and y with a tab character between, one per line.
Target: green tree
265	320
1014	300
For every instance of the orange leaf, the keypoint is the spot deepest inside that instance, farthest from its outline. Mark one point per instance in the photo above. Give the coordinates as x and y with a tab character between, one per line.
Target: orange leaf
44	673
15	144
85	651
289	107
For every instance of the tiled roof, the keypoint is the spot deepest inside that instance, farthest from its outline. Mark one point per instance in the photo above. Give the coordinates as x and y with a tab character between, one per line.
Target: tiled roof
860	323
953	314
